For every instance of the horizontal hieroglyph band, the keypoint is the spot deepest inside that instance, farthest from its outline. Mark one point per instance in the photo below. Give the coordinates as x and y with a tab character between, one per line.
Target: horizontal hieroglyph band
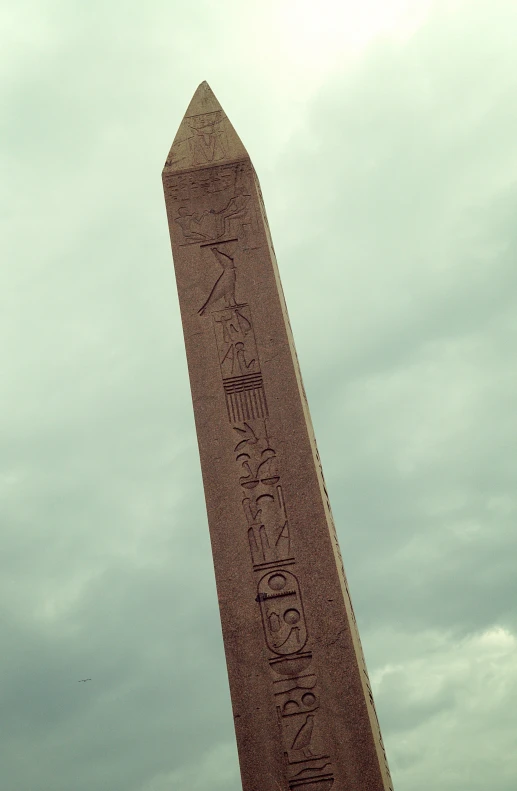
245	397
236	384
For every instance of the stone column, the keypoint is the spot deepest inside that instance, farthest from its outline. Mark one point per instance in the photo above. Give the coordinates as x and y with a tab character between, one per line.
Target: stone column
302	703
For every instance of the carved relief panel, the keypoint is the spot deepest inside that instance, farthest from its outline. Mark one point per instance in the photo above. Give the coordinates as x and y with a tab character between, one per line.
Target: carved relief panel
202	142
240	365
215	203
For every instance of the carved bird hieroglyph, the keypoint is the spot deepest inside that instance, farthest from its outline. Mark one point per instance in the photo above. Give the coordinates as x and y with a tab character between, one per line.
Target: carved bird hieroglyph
224	286
302	739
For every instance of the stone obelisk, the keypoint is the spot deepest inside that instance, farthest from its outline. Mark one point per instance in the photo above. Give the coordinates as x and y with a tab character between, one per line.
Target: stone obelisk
302	703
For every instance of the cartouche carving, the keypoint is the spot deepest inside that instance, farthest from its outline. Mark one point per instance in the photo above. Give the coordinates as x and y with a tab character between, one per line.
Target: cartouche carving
279	597
282	612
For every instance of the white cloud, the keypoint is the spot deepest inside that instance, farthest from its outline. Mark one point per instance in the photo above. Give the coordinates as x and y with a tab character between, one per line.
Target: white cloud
448	707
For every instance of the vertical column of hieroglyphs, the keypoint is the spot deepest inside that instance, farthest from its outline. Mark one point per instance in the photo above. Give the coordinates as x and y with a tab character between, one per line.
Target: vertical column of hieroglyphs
210	186
224	228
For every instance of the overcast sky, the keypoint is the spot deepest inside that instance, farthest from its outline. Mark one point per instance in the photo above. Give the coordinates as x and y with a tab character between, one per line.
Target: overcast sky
384	133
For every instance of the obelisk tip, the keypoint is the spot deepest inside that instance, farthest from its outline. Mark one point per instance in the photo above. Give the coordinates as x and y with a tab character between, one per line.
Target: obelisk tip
203	101
205	136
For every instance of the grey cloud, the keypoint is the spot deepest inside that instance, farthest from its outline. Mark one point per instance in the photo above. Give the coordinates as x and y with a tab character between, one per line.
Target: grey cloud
401	289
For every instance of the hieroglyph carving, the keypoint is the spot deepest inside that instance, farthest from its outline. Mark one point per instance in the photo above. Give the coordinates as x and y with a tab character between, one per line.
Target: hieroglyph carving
240	366
223	205
279	594
236	344
282	612
280	599
262	496
223	289
203	142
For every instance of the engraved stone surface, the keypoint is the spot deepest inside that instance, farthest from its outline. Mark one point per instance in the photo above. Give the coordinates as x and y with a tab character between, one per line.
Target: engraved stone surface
302	702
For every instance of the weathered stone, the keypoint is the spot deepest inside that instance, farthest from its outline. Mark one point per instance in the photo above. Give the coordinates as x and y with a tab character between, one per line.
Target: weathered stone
302	703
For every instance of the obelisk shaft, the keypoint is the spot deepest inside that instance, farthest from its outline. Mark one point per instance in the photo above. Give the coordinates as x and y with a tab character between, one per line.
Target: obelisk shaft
302	703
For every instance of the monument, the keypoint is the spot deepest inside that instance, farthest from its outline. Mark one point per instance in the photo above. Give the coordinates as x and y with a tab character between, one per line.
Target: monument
302	703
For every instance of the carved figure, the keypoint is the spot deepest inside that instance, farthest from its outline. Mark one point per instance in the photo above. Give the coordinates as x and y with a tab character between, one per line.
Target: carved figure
207	142
190	224
236	209
224	286
302	739
237	360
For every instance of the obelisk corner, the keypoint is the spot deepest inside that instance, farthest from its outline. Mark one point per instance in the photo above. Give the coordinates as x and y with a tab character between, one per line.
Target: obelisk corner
205	136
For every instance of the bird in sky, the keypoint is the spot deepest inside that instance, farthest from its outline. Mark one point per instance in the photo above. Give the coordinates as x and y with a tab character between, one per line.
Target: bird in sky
83	679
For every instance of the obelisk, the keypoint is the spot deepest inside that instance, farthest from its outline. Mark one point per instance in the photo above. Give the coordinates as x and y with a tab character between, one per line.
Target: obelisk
302	702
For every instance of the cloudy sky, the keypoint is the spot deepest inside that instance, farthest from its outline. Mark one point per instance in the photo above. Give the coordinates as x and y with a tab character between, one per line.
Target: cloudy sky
384	133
